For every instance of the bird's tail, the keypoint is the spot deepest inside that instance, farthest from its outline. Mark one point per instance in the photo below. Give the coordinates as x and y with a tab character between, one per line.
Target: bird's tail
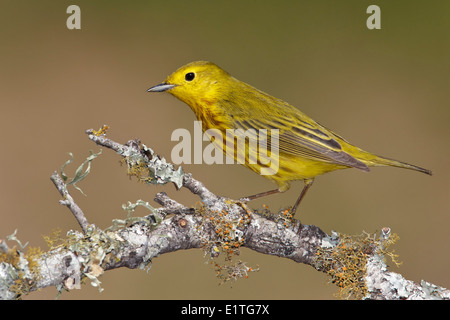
382	161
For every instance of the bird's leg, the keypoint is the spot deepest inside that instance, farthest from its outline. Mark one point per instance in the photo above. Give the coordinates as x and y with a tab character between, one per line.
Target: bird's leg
259	195
308	184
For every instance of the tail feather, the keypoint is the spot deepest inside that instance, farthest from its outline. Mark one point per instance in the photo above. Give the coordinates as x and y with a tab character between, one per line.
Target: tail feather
395	163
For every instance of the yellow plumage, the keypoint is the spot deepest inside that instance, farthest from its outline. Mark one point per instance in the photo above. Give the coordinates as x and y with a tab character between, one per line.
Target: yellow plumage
306	148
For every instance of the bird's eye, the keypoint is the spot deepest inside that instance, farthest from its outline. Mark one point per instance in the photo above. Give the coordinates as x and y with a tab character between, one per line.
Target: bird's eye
189	76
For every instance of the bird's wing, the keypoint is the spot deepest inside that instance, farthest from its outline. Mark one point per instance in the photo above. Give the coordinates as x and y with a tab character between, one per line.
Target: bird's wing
302	139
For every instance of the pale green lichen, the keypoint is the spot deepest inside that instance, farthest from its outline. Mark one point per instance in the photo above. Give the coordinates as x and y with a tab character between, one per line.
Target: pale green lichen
18	269
154	171
79	173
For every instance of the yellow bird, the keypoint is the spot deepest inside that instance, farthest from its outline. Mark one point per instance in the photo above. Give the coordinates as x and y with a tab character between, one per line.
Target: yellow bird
306	149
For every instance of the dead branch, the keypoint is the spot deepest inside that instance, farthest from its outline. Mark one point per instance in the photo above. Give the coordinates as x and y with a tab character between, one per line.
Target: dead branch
219	226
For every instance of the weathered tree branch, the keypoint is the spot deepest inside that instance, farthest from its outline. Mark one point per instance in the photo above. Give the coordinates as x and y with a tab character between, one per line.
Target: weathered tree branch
68	201
219	225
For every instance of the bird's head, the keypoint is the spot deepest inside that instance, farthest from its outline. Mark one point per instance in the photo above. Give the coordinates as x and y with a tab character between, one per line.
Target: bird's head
194	83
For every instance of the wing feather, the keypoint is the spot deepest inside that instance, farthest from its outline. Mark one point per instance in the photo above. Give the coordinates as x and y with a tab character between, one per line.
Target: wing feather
303	139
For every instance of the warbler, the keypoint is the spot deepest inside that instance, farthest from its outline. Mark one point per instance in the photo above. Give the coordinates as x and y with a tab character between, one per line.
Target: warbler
306	149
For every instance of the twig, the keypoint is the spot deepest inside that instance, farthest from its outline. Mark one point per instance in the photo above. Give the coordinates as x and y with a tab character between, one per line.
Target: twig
133	146
68	201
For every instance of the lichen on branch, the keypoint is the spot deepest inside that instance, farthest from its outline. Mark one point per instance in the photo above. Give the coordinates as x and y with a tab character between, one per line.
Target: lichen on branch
218	225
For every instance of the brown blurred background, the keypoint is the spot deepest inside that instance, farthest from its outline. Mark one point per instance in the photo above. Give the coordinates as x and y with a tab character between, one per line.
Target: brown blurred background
386	91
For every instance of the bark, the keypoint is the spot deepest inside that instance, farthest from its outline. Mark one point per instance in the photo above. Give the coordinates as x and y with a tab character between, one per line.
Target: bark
220	226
